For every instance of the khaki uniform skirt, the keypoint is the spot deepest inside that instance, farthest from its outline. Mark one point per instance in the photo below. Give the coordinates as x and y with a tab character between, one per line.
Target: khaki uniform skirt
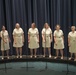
5	46
59	43
72	47
47	42
33	44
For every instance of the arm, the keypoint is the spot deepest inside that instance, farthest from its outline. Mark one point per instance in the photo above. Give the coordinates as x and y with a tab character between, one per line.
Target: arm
2	37
62	35
14	36
55	39
38	37
43	37
28	35
68	41
14	39
23	37
51	38
43	32
63	38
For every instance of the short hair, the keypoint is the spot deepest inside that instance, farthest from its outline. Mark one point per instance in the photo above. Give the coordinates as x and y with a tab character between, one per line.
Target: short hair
73	27
45	25
57	25
34	25
3	26
17	24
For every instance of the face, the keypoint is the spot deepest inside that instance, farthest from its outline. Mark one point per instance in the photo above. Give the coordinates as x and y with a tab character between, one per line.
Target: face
3	28
17	25
73	28
46	25
57	27
33	25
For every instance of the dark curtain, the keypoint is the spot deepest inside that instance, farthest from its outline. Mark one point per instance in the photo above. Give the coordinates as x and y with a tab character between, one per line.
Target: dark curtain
39	11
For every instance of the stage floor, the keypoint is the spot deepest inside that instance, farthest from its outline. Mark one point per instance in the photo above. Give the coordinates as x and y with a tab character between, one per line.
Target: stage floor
38	58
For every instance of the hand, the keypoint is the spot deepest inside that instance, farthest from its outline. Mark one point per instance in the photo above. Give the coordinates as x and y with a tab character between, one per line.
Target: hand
69	45
38	41
63	41
43	40
23	40
5	41
14	42
55	42
51	40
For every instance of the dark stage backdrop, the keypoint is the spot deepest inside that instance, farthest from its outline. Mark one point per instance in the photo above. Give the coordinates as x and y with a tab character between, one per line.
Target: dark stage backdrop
25	12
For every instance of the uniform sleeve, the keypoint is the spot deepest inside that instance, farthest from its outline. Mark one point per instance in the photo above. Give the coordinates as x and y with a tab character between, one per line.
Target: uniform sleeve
37	31
6	32
29	31
69	35
43	31
50	31
22	31
62	32
13	32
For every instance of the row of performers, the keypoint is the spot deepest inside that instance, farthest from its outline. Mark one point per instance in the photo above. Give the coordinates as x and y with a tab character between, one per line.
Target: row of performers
33	40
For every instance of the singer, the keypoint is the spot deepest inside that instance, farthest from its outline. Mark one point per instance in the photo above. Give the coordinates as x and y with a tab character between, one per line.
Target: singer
4	42
33	39
46	38
72	42
58	41
18	36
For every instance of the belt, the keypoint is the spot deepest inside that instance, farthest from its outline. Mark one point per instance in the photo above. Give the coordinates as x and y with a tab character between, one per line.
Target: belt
58	37
47	36
33	36
17	36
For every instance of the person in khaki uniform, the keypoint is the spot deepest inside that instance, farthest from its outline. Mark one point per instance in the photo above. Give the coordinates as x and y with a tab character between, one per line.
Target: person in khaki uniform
72	42
33	39
46	38
58	41
4	42
18	36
